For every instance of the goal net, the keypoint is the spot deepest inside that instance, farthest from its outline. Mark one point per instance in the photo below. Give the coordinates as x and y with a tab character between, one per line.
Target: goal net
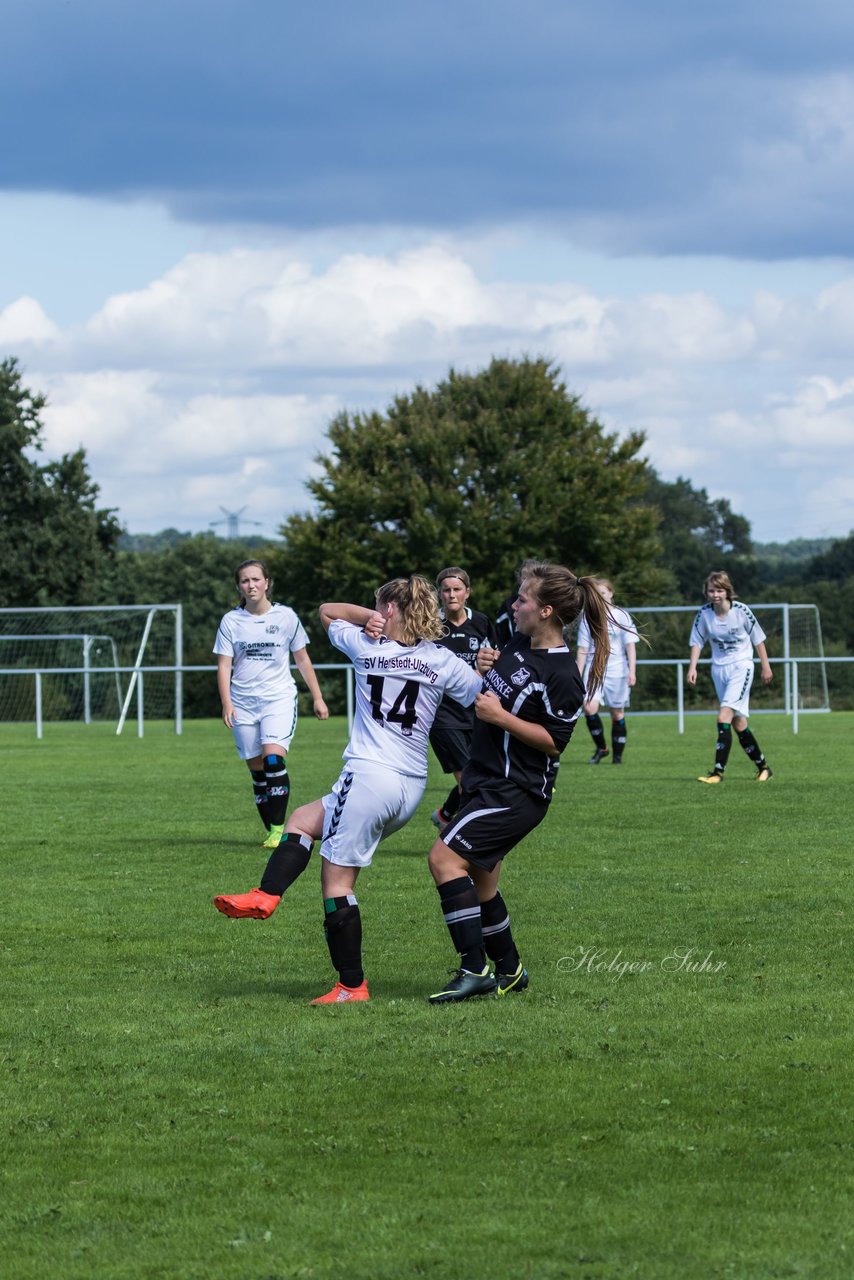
90	663
793	631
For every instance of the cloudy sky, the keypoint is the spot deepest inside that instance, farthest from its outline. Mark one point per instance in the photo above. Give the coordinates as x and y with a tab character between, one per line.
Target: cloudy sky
223	222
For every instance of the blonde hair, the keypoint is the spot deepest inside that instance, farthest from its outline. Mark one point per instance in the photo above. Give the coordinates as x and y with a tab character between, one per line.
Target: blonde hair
720	580
417	605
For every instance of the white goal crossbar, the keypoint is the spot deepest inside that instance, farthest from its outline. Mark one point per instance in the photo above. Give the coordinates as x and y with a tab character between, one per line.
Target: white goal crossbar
789	615
92	625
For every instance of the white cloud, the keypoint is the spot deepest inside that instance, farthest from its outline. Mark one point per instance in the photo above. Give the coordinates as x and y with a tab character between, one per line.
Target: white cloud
214	384
24	323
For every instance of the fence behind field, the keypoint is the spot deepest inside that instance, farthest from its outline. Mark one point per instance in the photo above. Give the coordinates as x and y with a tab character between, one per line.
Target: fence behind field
49	694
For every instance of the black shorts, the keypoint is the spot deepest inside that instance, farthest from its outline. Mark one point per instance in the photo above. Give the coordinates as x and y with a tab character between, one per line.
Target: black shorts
491	821
452	744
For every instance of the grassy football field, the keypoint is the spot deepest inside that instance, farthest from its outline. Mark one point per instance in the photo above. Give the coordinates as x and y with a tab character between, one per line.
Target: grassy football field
671	1098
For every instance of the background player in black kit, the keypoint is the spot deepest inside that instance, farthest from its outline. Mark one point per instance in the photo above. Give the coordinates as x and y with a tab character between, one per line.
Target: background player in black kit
468	633
525	717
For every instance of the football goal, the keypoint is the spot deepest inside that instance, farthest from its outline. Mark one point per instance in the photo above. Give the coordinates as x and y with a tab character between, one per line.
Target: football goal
91	663
793	631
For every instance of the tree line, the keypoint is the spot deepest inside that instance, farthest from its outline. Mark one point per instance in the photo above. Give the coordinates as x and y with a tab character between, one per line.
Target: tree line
483	470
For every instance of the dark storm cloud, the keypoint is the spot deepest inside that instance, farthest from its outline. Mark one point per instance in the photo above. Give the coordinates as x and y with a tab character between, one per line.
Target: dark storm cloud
657	127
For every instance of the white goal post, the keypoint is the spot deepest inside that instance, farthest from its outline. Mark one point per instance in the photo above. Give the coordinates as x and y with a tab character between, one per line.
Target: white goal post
793	631
87	662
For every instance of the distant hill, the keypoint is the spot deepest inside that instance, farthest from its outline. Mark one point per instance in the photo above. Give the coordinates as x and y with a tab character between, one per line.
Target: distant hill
790	553
167	538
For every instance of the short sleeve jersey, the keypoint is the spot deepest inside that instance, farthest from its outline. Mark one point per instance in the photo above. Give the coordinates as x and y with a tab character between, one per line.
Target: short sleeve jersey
621	632
466	640
542	686
260	646
398	691
731	636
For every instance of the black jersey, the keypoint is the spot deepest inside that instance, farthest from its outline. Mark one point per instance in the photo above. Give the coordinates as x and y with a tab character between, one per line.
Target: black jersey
505	627
542	686
466	640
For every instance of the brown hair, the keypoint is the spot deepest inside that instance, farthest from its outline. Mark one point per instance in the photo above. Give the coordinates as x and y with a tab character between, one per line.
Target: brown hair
453	571
245	564
568	595
720	579
418	606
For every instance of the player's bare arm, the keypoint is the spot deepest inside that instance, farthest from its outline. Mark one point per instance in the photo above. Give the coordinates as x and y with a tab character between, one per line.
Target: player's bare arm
766	672
691	677
370	620
223	681
306	669
488	707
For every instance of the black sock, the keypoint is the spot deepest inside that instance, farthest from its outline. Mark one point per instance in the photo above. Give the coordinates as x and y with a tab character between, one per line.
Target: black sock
286	864
461	910
451	805
259	787
342	927
752	747
618	737
597	733
497	937
722	746
278	789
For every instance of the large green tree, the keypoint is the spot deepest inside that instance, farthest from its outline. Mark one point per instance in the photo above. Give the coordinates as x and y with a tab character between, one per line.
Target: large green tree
699	534
484	470
54	538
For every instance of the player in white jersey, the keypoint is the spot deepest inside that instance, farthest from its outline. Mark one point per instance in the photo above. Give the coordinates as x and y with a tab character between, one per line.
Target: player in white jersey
253	645
732	632
402	674
620	675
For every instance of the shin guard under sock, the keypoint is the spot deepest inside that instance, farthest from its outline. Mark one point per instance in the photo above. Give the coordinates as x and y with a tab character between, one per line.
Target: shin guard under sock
723	746
497	938
752	747
259	789
342	927
278	789
597	733
461	910
286	864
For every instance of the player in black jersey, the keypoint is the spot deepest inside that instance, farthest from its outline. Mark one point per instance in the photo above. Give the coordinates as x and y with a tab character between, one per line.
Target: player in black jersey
532	697
467	633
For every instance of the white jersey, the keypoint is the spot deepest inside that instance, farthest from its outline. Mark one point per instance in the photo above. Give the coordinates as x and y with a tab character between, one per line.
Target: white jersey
260	645
621	632
398	691
731	636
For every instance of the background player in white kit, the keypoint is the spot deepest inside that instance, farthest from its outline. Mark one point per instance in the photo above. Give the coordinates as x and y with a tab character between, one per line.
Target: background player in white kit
620	675
257	691
401	677
732	631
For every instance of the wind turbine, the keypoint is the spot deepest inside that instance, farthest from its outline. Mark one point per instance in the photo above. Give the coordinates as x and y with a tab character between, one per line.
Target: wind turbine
232	522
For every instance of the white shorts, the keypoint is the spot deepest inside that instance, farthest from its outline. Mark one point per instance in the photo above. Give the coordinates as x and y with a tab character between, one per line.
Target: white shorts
614	692
732	685
258	722
363	808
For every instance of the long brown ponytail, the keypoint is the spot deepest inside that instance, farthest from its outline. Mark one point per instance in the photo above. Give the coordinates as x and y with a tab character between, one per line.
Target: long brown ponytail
568	595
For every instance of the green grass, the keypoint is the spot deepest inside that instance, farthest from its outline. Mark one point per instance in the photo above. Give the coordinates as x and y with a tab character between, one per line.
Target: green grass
173	1108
